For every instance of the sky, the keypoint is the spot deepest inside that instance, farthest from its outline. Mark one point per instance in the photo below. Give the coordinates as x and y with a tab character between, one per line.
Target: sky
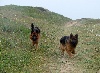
74	9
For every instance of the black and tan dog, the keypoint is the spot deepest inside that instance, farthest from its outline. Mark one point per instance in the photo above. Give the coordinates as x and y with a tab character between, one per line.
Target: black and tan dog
35	35
68	44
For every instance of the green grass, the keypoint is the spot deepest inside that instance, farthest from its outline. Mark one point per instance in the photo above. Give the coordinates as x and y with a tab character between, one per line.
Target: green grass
17	55
16	51
88	49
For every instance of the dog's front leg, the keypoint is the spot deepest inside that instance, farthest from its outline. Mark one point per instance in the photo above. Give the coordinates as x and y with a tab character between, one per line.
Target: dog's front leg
36	46
69	53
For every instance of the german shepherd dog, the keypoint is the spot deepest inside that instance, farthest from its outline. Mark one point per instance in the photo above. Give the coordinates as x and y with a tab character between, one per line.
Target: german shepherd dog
35	35
68	44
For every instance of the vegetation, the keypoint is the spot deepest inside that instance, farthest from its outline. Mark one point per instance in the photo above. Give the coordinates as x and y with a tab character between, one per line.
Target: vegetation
88	48
17	55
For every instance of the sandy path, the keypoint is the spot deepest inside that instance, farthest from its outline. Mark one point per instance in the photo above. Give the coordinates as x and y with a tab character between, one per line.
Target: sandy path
65	64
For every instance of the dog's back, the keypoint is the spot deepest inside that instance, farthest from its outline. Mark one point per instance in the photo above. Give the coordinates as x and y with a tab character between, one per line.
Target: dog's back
64	40
37	30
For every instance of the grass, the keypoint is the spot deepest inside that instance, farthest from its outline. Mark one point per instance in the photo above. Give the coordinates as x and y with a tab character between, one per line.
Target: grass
17	53
88	48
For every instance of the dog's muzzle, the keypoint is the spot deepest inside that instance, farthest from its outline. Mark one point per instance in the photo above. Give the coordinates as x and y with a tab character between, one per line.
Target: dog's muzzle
34	38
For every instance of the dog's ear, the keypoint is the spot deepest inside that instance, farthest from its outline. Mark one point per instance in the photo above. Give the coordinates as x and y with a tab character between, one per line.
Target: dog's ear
71	35
76	35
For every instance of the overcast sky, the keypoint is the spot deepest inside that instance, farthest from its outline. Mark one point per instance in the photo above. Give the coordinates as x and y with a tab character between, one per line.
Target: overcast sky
74	9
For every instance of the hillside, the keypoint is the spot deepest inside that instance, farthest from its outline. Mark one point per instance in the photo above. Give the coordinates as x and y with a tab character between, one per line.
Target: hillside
18	55
88	49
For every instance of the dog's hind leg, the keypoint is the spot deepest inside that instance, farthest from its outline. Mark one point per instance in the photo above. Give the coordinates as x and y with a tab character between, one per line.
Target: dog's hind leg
69	52
62	53
62	50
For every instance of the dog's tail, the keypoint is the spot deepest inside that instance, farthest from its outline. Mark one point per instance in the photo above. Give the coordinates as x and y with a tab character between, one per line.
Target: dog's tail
32	28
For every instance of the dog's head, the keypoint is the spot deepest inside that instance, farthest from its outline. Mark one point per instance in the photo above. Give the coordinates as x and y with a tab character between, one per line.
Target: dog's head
34	29
73	39
34	36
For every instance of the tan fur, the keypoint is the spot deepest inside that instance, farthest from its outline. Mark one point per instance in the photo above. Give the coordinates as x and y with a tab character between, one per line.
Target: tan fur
35	42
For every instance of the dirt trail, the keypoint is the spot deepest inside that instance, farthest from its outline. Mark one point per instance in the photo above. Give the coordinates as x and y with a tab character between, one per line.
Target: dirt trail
68	65
71	23
65	64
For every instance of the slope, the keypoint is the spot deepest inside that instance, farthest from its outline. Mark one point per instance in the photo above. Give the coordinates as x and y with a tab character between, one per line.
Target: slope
16	51
87	59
